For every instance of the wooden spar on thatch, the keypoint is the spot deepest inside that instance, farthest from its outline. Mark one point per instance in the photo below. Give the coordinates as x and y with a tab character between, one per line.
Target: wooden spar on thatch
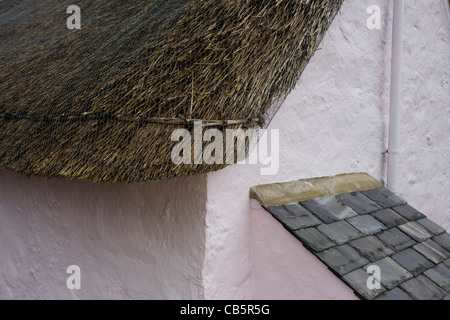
101	103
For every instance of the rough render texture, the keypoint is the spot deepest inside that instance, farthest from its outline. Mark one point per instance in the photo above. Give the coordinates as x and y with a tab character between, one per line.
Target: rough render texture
336	121
148	241
130	241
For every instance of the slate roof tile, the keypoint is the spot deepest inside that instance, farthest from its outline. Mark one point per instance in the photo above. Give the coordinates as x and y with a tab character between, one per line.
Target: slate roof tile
358	281
392	274
342	259
431	226
366	224
329	209
394	294
422	288
371	248
314	239
409	212
431	250
447	263
294	216
389	218
440	275
339	232
359	202
415	231
412	261
396	239
443	240
384	197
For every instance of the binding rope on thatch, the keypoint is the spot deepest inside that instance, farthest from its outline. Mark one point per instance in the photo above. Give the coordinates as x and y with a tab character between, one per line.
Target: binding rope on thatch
143	120
102	102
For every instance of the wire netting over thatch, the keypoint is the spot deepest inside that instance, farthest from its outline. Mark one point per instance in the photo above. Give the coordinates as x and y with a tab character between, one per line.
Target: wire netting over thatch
101	103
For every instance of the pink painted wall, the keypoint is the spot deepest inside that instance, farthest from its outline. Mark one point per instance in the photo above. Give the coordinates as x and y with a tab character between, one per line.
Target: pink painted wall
288	270
335	121
130	241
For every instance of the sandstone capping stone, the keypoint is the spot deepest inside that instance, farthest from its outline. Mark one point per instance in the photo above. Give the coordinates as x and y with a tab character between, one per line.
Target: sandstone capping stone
301	190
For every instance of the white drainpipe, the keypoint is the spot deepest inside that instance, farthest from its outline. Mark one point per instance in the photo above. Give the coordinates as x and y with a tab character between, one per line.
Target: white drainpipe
395	104
447	9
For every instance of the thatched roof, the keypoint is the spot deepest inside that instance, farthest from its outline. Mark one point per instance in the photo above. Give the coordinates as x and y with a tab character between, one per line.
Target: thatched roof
101	103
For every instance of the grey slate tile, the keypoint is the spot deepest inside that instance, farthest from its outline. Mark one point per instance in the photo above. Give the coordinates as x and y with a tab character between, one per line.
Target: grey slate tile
443	240
294	216
432	251
440	275
329	209
422	288
415	231
447	263
409	212
396	239
389	218
384	198
371	248
412	261
357	280
366	224
431	226
359	202
276	211
394	294
392	274
339	232
313	239
342	259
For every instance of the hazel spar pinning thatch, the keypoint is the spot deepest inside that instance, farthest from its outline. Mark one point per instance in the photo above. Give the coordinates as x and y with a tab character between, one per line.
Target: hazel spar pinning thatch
101	103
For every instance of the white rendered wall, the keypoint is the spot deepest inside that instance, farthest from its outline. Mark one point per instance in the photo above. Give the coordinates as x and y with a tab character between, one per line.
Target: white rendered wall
130	241
335	121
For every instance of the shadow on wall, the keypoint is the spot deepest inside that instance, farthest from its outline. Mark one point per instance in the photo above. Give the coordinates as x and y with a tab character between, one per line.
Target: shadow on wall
130	241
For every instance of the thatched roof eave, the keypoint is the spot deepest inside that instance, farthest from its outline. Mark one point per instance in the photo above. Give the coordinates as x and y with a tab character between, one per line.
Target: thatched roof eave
102	102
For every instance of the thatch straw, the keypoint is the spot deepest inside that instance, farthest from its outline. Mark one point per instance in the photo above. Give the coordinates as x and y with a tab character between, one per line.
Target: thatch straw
101	103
